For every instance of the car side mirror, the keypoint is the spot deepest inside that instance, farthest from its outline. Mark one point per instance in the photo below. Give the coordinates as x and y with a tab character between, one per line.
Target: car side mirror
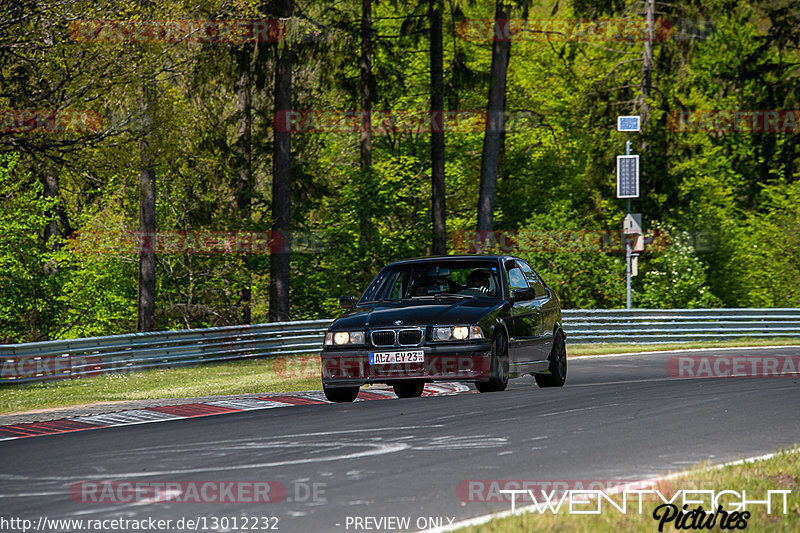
347	302
520	295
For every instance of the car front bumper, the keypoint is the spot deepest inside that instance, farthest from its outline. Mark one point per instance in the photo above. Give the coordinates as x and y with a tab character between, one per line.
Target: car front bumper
466	361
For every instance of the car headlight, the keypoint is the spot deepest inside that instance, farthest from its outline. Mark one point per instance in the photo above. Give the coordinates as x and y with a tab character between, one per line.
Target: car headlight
442	334
341	338
458	333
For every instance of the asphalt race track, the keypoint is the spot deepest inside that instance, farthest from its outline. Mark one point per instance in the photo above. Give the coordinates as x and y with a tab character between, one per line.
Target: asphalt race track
617	418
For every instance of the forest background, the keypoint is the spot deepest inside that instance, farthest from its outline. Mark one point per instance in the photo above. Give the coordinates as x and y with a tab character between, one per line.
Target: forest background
159	170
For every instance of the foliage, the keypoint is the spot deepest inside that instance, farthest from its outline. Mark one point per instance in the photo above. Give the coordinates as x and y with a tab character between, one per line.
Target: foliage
30	278
675	278
556	170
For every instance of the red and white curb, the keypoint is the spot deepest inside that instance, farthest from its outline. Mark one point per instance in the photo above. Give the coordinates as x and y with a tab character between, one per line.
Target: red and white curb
217	407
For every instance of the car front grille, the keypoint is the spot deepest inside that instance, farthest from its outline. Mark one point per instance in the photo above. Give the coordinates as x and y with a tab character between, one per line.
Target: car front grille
404	337
383	338
409	337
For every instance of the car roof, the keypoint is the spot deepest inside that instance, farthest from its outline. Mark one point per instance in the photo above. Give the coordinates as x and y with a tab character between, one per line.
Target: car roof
464	257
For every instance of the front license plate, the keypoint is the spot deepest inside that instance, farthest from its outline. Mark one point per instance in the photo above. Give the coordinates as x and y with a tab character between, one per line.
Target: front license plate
387	358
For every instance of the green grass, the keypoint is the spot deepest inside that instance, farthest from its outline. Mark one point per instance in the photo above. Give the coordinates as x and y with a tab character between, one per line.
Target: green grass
781	472
243	377
239	377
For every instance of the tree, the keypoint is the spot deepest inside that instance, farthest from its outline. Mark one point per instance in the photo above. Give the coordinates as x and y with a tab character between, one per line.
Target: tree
365	87
279	269
244	151
438	207
27	291
675	278
492	139
147	212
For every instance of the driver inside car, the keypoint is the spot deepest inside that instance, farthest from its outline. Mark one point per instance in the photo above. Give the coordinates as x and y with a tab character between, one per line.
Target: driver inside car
479	279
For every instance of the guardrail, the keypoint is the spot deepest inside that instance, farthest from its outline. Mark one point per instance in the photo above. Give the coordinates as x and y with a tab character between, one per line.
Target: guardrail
20	363
649	326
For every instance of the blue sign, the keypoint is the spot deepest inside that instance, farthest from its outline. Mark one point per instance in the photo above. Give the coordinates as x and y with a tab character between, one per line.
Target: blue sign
628	123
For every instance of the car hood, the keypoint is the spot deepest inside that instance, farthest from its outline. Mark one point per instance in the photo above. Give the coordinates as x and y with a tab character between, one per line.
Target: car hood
415	313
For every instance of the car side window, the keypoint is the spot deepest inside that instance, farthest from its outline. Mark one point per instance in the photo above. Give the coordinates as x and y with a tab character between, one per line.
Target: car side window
533	279
516	279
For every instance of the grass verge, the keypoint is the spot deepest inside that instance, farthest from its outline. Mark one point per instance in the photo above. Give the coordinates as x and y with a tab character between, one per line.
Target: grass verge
243	377
780	472
236	377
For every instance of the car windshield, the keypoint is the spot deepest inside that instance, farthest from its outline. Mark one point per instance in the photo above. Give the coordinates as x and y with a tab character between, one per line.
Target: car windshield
433	280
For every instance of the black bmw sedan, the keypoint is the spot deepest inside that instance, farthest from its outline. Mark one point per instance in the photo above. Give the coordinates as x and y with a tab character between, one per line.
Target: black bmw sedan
452	318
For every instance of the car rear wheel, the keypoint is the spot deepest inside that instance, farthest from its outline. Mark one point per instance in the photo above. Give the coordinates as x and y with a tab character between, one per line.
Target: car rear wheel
340	394
409	389
499	380
558	365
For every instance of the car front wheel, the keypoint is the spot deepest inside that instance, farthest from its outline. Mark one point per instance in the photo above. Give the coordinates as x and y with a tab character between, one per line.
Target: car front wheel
408	389
499	380
340	394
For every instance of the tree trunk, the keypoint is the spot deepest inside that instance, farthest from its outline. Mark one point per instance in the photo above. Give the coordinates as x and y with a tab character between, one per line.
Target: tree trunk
147	214
647	78
50	183
244	183
490	158
365	136
281	184
437	133
647	60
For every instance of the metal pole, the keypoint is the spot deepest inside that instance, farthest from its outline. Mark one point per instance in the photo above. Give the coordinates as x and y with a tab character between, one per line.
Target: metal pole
628	243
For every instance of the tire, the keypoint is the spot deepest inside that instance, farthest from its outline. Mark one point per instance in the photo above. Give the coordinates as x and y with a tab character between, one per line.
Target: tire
558	365
408	389
340	394
499	380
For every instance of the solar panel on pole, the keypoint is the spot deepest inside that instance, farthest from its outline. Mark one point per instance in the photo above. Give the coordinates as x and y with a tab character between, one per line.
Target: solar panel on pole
627	176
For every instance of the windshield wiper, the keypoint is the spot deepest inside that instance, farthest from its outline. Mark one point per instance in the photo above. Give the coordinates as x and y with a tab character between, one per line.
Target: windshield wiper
453	295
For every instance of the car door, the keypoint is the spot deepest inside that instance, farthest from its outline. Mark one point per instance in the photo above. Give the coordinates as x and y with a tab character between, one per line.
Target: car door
525	319
547	309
